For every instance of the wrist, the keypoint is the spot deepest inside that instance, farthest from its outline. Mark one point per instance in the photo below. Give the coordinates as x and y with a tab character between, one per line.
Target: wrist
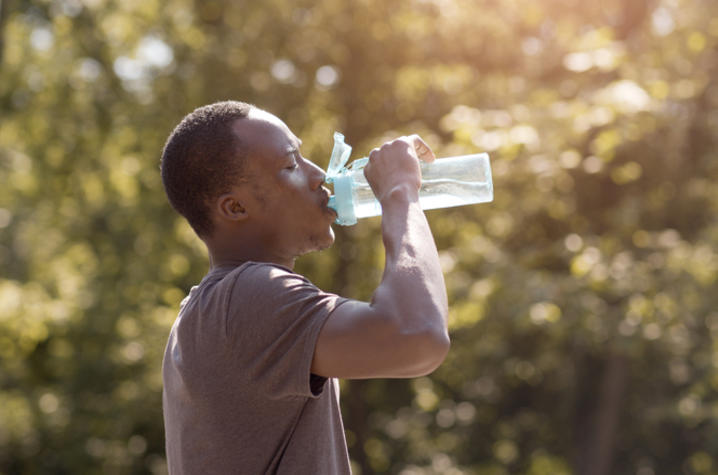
403	194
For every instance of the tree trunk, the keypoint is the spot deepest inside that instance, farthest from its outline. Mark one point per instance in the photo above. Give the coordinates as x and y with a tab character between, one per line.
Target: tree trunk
357	416
596	455
3	17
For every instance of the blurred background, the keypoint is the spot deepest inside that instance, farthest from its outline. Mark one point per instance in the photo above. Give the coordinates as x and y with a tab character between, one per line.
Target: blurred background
584	299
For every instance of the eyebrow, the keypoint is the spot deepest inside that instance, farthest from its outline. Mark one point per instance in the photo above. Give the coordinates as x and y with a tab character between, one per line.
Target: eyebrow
294	148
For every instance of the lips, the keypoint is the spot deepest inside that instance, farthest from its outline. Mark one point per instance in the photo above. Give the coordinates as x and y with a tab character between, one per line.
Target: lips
325	195
325	204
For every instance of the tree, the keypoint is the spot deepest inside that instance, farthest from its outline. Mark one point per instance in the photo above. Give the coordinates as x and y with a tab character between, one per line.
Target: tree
582	299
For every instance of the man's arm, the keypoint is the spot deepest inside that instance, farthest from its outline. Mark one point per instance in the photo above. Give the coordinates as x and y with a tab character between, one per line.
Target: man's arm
402	332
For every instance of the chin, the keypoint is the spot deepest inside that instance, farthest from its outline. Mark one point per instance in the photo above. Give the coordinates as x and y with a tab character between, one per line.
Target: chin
325	241
317	242
329	240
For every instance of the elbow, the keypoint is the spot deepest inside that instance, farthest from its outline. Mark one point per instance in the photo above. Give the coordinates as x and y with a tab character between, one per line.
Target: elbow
428	349
436	349
414	344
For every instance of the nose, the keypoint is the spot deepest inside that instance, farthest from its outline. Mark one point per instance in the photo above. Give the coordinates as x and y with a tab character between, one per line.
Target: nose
316	176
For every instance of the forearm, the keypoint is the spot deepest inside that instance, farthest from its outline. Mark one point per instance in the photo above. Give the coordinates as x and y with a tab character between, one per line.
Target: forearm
412	290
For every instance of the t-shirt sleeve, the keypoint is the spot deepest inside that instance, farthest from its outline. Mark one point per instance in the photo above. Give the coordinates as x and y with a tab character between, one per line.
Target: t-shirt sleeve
273	321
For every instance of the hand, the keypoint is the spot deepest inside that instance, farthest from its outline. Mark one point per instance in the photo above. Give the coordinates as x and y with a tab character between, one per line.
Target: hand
395	167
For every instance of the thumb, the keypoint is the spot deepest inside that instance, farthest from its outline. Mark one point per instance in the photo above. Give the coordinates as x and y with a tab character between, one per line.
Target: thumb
423	151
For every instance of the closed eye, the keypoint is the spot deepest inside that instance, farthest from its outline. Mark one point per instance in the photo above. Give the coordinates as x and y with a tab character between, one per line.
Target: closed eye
296	157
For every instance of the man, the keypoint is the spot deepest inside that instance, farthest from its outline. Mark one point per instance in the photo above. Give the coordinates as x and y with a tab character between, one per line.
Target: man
250	366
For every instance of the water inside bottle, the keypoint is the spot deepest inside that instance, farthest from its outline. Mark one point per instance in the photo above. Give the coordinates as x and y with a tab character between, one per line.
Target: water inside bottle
433	194
447	192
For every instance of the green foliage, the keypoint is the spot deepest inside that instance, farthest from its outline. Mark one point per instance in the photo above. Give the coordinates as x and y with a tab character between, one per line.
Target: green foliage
583	299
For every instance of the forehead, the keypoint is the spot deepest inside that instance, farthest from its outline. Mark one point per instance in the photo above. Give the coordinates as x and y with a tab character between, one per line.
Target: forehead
265	135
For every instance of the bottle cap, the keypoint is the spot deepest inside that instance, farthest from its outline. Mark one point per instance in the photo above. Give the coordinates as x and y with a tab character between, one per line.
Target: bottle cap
342	201
339	158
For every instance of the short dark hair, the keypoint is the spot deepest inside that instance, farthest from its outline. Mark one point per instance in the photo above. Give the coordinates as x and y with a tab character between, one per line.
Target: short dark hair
201	159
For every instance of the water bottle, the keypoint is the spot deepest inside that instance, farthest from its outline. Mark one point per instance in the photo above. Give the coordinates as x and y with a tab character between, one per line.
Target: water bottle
445	182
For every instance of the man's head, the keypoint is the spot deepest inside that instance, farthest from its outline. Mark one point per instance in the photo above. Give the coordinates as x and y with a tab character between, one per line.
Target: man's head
236	173
202	159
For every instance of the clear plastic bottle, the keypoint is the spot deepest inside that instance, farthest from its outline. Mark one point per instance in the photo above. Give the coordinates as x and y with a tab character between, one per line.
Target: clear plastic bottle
445	182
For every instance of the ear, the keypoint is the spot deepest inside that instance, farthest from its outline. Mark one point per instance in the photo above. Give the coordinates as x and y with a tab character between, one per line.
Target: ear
230	207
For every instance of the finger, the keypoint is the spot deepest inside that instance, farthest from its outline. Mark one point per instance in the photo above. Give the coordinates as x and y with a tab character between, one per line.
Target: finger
423	151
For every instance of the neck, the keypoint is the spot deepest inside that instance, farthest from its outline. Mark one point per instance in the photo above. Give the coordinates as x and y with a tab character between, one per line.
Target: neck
236	251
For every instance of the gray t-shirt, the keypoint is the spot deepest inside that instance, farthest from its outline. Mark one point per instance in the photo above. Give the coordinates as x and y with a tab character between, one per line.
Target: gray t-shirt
238	393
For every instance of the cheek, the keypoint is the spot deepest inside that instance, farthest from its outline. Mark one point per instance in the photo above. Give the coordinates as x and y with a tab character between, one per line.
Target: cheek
259	195
291	179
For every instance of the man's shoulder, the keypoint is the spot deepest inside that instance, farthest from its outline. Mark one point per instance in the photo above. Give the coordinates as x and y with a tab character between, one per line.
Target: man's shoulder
257	278
262	271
